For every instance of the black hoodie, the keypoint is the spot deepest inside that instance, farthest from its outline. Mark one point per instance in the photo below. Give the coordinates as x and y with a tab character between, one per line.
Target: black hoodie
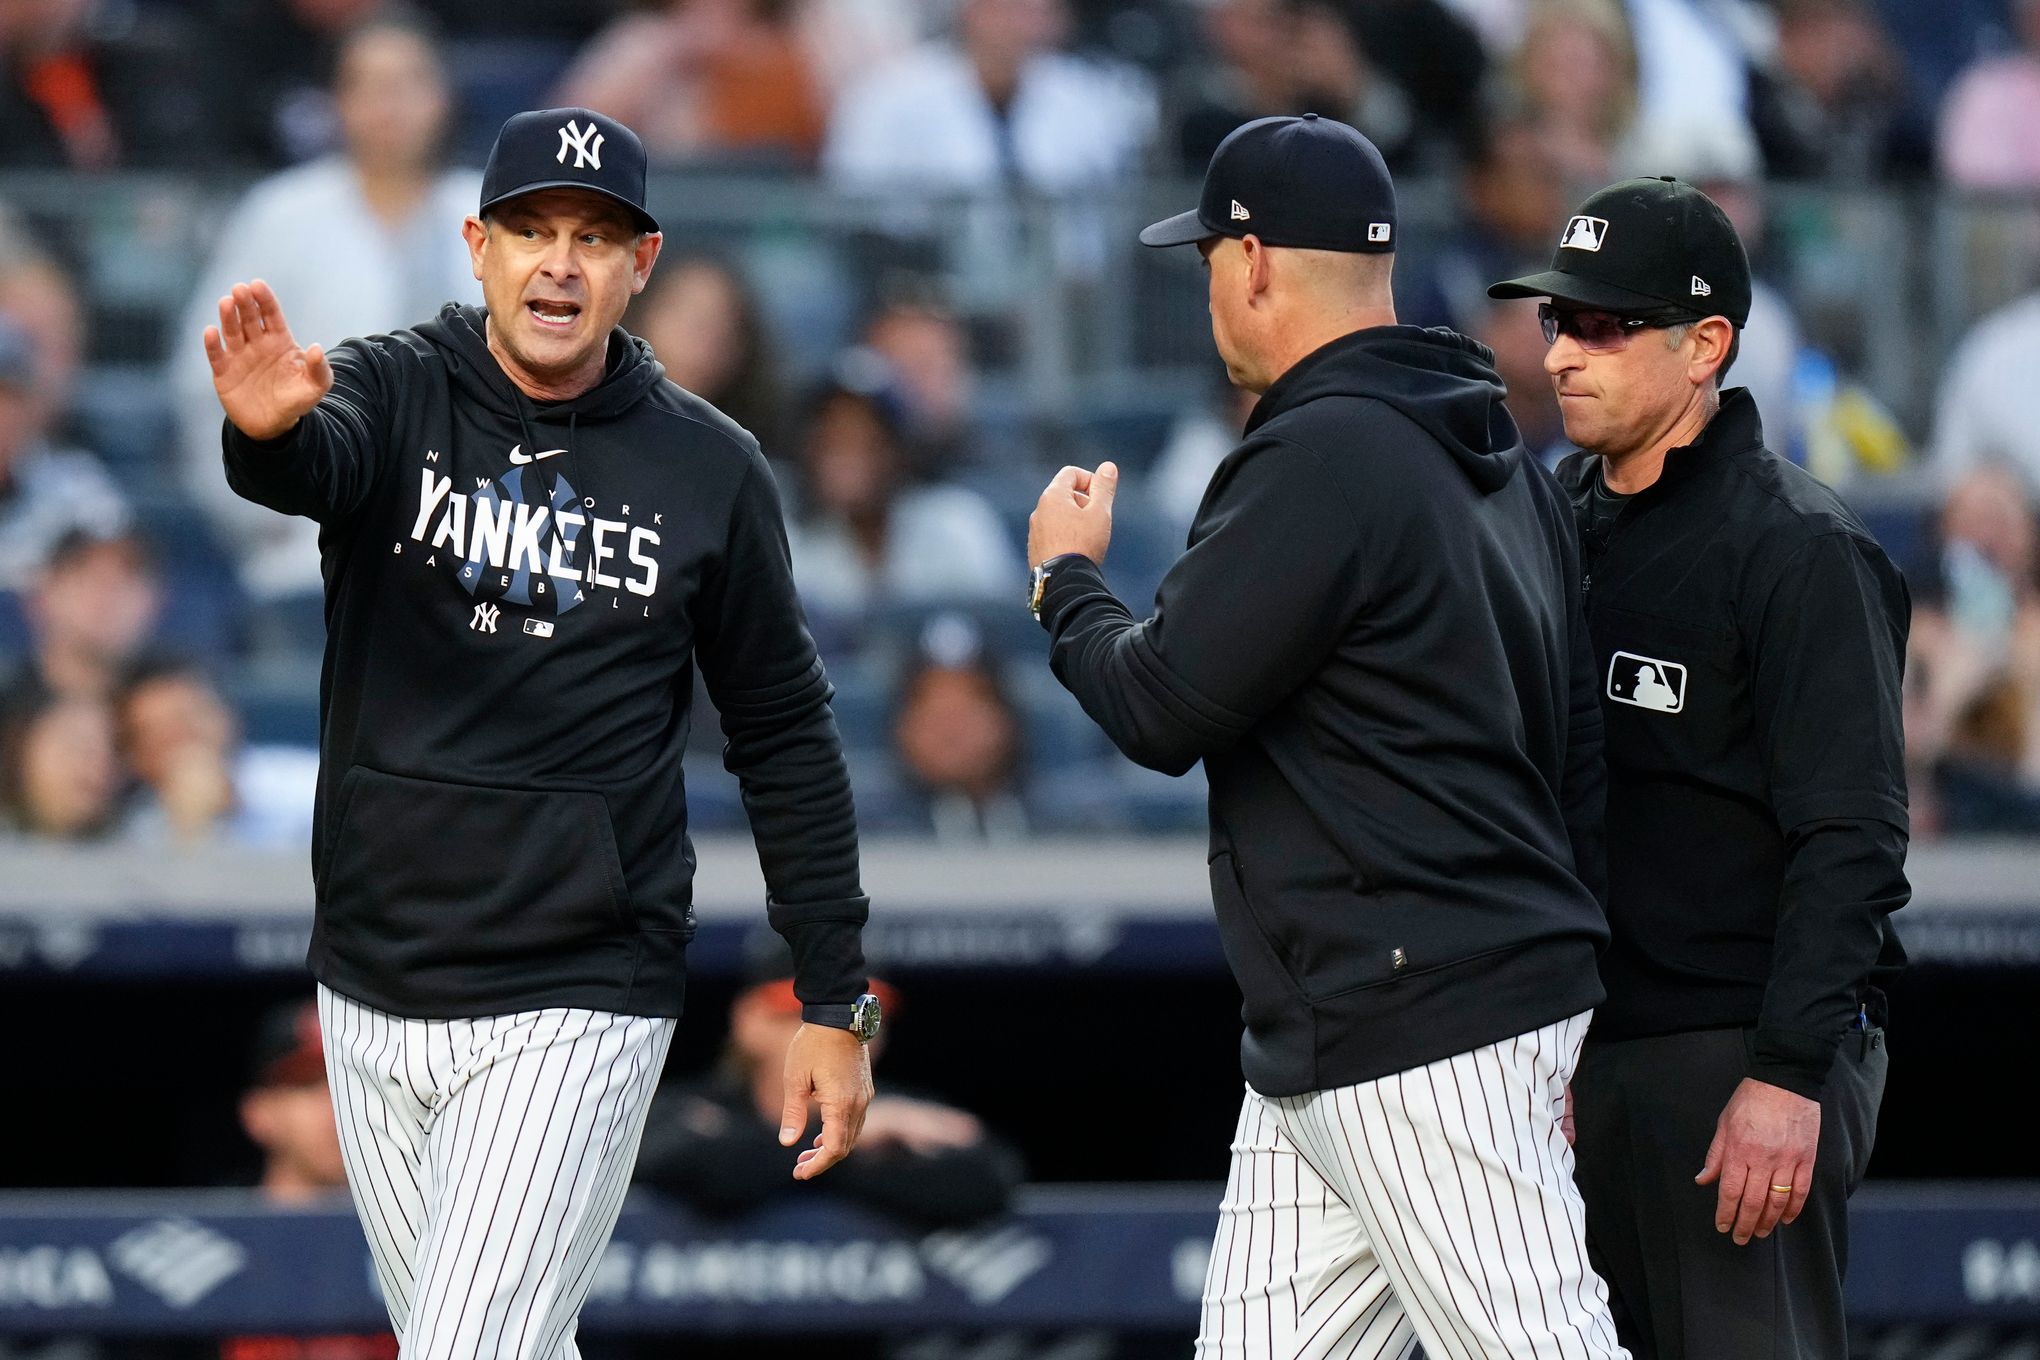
1374	643
516	596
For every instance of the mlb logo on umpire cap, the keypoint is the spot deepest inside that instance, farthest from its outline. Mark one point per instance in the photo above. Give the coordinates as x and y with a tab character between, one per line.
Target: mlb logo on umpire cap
1646	682
568	149
1584	233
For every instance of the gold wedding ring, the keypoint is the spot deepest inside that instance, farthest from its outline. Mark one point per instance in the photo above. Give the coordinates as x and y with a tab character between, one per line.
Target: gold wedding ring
1782	1189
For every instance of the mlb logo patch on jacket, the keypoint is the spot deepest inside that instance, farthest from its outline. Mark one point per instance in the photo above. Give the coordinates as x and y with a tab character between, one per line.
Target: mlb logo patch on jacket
1646	682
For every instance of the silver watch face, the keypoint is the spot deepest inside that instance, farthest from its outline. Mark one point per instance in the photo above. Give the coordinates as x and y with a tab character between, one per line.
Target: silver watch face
865	1015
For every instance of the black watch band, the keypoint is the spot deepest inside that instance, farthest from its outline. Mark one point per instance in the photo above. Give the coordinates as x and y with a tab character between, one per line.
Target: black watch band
861	1017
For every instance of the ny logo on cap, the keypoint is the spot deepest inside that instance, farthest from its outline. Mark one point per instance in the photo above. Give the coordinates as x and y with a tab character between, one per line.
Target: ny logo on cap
1584	233
585	143
1239	214
1700	288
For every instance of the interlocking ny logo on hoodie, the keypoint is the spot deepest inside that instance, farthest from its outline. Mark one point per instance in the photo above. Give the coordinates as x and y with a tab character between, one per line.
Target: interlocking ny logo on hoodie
525	536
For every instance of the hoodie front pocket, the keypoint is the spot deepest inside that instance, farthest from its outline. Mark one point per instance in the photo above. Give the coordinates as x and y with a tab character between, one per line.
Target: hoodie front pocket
429	881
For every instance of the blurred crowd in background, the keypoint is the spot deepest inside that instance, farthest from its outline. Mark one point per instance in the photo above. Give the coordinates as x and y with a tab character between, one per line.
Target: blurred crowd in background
159	638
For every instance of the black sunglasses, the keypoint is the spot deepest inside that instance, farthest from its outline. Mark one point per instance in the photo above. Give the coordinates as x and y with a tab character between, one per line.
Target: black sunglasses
1596	332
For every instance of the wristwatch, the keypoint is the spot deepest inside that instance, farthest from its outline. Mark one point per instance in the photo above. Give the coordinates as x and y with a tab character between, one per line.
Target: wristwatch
861	1017
1039	586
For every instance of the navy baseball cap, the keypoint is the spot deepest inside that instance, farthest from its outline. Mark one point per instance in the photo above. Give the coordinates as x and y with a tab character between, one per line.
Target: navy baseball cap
1311	183
1649	248
567	149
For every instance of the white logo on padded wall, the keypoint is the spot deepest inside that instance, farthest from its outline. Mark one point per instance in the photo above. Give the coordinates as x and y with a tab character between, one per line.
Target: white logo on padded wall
1647	682
1700	288
485	617
585	143
1239	214
987	1266
1585	233
1377	231
177	1260
518	455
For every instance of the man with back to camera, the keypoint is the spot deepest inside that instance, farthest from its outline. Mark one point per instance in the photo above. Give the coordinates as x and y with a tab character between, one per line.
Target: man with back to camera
1749	634
1374	644
530	539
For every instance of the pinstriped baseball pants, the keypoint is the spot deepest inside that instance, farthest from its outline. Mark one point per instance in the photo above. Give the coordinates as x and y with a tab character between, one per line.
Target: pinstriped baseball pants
1434	1206
488	1160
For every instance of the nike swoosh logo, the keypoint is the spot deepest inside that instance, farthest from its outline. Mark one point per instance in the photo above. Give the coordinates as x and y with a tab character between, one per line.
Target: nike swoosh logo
518	455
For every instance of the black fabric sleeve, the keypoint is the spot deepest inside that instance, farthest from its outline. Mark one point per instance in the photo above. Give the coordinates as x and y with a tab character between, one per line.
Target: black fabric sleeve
1828	647
1583	792
1245	615
782	745
326	466
728	1162
943	1188
715	1159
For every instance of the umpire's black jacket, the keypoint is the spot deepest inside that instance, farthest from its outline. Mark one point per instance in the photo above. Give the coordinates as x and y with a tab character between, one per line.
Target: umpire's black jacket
1373	643
1756	785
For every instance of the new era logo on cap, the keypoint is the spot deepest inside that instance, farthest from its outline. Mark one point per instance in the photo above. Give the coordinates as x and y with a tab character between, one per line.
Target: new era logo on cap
1584	233
1700	288
1239	214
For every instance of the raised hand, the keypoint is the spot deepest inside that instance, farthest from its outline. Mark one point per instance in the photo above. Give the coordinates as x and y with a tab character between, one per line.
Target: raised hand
266	384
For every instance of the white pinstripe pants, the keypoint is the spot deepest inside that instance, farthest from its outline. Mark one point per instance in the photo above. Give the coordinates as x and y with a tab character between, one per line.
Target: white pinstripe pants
1435	1206
488	1160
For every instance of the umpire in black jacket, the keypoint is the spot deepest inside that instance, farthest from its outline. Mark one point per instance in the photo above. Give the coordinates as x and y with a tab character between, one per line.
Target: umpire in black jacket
1749	636
1374	644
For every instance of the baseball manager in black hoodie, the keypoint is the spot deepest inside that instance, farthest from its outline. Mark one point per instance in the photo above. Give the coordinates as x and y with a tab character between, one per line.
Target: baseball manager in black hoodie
1374	643
530	540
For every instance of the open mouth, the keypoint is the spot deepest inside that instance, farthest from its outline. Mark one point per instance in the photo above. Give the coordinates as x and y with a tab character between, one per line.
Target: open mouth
554	316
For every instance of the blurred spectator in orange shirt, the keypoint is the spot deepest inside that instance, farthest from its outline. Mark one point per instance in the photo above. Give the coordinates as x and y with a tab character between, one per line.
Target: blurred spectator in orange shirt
92	86
1990	123
704	78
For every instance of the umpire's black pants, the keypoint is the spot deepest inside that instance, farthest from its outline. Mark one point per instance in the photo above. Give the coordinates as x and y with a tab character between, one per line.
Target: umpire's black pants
1644	1113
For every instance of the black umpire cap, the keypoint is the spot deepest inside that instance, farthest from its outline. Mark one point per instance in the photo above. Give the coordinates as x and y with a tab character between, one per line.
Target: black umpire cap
1656	248
1311	183
568	149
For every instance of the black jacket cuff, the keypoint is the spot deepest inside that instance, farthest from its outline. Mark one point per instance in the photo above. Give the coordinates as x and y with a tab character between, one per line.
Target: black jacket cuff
828	953
1797	1062
1072	580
